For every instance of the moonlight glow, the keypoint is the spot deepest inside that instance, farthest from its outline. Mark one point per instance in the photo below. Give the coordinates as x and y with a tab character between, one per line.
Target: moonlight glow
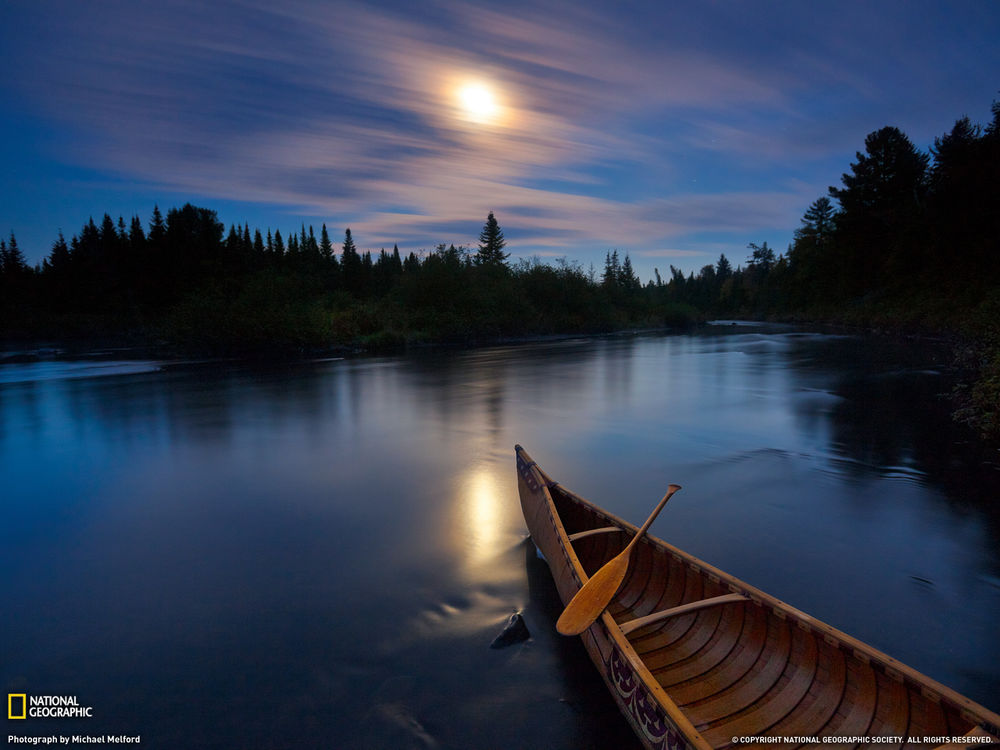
478	103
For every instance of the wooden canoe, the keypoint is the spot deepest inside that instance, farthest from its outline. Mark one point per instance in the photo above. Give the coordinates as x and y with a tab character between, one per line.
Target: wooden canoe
714	660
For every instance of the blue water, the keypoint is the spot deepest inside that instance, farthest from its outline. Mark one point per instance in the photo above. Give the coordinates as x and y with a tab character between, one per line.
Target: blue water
319	554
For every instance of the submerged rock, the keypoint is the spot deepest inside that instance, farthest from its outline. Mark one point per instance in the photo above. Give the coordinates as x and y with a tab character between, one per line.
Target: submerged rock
514	631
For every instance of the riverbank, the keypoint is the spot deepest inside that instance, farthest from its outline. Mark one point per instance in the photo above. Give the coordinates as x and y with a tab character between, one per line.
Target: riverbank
971	328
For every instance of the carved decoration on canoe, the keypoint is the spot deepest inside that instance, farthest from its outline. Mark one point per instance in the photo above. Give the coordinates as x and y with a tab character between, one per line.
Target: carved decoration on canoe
529	478
646	715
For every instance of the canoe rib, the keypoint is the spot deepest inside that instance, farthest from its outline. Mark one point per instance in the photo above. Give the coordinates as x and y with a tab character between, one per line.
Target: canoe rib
694	656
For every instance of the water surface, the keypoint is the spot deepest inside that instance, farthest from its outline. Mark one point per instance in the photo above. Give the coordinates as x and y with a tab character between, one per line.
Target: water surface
319	555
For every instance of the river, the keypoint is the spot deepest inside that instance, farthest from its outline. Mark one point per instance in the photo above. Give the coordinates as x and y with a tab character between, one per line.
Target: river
217	555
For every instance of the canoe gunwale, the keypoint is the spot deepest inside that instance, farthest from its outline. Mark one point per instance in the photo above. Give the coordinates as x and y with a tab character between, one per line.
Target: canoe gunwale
974	713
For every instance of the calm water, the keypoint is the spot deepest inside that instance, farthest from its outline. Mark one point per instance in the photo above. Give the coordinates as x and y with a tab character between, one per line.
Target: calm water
319	555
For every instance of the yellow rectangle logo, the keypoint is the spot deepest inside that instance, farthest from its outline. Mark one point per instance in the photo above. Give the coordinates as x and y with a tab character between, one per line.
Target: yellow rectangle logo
12	702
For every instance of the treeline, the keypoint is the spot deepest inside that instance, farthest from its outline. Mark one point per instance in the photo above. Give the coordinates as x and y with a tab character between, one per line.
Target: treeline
184	279
910	237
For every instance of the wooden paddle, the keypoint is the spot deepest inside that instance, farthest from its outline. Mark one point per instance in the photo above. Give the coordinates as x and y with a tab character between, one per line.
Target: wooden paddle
600	589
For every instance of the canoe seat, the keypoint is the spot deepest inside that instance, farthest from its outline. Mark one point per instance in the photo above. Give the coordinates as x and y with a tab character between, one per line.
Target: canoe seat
591	532
681	609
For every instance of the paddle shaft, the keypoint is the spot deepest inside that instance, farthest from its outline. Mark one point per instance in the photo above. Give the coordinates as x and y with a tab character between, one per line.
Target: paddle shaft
652	516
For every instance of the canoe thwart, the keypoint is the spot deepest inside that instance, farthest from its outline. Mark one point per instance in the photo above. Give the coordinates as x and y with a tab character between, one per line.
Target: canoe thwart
681	609
591	532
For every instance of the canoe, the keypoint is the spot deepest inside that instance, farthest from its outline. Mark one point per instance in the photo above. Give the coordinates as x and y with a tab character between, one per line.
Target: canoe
696	658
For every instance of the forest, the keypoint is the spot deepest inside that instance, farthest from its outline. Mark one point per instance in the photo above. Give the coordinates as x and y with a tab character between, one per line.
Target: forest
907	242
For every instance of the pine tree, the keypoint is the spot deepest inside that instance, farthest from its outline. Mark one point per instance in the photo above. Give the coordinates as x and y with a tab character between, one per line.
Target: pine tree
312	248
881	203
491	245
109	238
12	262
325	246
411	265
890	174
232	241
612	270
367	272
157	228
348	247
351	264
136	236
762	257
59	257
723	268
627	278
817	222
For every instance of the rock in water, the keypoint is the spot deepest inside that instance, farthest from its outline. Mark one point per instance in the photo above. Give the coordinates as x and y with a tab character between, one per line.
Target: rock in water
514	632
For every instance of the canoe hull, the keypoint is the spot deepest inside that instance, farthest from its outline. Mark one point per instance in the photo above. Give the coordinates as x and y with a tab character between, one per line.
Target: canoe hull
728	660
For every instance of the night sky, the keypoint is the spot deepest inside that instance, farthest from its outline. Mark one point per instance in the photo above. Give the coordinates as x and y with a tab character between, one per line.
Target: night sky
671	131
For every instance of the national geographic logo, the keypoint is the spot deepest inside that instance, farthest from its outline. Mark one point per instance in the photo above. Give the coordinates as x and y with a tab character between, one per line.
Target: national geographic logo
17	706
22	706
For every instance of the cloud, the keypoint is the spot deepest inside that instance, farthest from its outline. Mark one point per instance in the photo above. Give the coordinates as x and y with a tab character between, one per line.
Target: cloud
670	253
347	110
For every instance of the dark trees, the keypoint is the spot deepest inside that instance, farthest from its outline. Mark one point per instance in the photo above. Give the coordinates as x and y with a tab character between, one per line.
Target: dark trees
881	204
194	239
964	204
491	245
352	267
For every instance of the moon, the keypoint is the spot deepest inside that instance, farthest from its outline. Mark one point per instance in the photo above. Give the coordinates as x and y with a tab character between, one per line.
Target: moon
478	103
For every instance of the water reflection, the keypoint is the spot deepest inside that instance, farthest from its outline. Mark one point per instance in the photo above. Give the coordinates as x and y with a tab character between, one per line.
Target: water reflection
322	552
478	511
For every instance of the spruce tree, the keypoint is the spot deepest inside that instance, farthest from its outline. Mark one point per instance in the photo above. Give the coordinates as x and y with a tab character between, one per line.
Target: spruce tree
325	246
612	270
59	257
723	268
12	261
312	247
352	264
157	228
627	278
491	244
136	236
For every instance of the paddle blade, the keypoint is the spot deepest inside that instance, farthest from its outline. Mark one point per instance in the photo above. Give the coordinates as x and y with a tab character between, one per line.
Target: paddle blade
594	597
